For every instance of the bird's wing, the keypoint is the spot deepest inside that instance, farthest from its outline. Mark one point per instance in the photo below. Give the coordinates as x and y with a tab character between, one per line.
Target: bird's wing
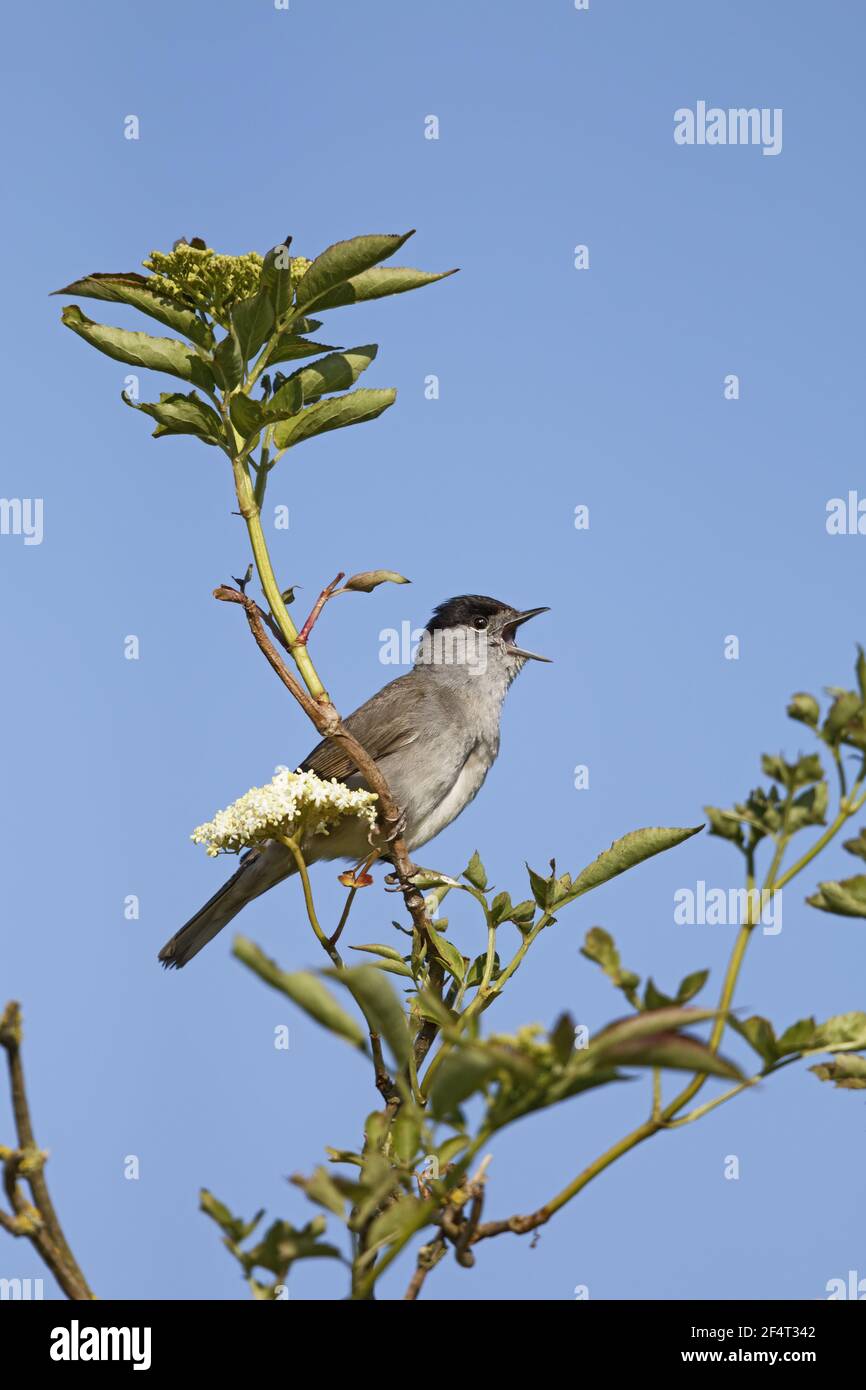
388	722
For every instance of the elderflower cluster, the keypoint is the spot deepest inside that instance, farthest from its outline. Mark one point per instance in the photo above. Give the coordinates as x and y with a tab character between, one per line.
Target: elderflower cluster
196	276
291	803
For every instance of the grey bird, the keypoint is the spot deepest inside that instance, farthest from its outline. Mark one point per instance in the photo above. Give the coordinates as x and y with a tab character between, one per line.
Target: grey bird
435	734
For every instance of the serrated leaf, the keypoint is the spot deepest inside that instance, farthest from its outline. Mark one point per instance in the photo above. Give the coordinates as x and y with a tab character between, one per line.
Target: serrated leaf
341	262
625	853
247	416
354	408
178	414
134	289
303	988
276	281
141	349
252	323
377	283
380	1004
336	372
290	347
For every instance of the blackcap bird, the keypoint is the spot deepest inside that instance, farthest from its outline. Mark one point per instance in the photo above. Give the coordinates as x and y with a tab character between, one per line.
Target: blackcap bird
435	734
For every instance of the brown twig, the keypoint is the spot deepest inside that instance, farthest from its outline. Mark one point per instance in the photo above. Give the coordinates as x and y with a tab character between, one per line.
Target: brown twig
428	1257
323	714
303	635
38	1222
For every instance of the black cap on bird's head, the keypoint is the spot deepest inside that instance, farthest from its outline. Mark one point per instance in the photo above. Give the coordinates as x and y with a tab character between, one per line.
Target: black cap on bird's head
480	613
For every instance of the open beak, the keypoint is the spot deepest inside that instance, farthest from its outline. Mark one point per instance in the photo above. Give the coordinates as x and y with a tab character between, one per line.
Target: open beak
509	630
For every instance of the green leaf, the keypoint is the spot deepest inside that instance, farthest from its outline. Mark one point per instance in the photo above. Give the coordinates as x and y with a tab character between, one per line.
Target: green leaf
724	824
368	580
792	775
654	999
844	1030
406	1134
247	416
625	853
800	1037
847	898
336	372
133	289
289	347
448	953
638	1026
523	914
463	1072
283	1244
321	1189
140	349
861	672
760	1035
599	946
252	323
501	908
845	708
805	709
676	1052
375	949
341	262
562	1038
178	414
543	889
276	281
848	1072
475	873
233	1227
303	988
857	846
376	284
692	985
353	408
402	1218
810	808
228	363
380	1005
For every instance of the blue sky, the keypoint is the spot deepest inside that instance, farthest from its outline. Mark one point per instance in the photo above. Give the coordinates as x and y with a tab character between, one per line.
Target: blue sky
558	387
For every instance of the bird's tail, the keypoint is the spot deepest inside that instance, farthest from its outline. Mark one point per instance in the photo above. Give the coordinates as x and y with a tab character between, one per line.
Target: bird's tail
259	871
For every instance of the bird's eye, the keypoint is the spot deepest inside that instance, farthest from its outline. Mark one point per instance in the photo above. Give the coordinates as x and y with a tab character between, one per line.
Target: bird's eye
480	622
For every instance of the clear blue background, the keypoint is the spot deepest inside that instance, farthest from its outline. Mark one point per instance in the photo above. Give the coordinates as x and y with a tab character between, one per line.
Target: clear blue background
557	388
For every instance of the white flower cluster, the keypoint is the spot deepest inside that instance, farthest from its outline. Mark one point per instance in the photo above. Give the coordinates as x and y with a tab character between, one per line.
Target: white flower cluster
291	802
